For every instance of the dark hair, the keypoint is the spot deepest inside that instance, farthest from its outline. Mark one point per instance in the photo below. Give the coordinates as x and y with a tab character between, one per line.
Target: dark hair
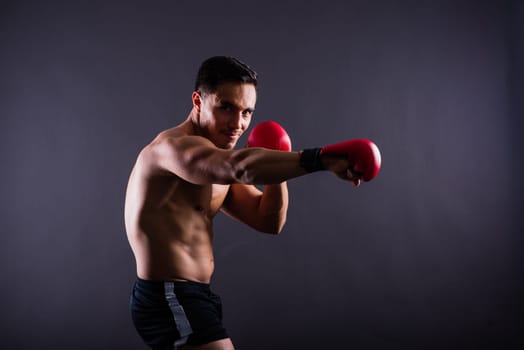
223	69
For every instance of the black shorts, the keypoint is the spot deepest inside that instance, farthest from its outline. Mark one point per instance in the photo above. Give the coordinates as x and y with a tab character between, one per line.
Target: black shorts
171	314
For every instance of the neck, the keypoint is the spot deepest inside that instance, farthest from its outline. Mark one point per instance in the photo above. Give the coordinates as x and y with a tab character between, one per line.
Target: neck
194	119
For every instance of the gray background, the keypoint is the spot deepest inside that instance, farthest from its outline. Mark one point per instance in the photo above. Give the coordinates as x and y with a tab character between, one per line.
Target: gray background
425	257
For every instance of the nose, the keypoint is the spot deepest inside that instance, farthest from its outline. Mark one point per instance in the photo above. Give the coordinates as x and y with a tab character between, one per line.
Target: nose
236	121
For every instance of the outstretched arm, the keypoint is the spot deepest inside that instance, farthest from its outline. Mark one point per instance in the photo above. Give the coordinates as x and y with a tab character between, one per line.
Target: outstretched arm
198	161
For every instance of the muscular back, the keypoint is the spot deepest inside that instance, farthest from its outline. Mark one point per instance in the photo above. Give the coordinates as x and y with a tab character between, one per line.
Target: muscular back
169	220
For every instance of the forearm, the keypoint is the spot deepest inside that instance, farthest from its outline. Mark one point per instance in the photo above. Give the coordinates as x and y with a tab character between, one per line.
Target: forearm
273	207
265	167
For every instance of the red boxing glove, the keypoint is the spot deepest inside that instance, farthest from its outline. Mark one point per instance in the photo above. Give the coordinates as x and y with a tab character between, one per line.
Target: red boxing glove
363	156
271	135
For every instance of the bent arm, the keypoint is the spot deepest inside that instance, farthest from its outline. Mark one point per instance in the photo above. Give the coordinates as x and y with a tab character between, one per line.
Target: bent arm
264	211
197	160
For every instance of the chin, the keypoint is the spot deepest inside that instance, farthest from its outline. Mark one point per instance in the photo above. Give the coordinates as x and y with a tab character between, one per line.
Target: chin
230	144
225	145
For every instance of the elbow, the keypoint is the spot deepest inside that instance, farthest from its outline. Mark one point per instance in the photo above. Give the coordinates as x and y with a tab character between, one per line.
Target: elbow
242	169
271	231
242	175
277	231
279	227
273	228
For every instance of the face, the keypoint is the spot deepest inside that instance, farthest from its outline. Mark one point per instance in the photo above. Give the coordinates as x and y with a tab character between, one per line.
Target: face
225	114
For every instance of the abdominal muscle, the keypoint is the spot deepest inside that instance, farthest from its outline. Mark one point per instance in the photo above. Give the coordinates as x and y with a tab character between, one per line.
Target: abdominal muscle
169	227
160	258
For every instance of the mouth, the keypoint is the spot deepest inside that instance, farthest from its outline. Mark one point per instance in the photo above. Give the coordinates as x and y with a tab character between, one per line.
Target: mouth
232	135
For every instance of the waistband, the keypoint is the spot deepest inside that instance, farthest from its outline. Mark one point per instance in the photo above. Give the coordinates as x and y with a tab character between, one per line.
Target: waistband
160	285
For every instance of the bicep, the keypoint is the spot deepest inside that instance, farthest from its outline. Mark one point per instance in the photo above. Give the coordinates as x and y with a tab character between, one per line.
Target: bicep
242	203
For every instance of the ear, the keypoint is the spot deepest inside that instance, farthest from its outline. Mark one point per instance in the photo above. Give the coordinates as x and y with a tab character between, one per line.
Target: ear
196	97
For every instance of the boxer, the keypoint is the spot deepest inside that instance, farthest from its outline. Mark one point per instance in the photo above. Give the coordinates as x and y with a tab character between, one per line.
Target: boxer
186	175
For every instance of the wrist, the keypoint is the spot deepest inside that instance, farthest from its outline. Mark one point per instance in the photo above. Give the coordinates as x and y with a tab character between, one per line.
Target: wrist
310	160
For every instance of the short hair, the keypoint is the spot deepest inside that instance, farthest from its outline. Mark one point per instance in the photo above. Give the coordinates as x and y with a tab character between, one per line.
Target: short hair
223	69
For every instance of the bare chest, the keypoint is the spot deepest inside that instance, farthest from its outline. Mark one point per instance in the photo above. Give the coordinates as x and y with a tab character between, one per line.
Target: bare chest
204	199
211	199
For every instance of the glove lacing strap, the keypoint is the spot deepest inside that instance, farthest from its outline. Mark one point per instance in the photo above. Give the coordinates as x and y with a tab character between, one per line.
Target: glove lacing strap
310	160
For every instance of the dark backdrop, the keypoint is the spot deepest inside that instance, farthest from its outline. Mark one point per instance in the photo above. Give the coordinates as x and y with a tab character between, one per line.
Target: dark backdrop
425	257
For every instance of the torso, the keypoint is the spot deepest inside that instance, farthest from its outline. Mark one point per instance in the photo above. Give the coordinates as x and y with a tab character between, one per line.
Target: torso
169	225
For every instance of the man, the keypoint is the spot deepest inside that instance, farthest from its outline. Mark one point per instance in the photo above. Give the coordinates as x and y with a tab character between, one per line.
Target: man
179	183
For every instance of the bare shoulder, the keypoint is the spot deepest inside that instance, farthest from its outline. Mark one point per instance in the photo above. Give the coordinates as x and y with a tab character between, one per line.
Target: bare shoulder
147	156
178	137
181	130
173	150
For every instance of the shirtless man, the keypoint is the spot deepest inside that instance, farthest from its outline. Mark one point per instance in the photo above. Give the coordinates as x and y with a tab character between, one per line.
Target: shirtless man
179	183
